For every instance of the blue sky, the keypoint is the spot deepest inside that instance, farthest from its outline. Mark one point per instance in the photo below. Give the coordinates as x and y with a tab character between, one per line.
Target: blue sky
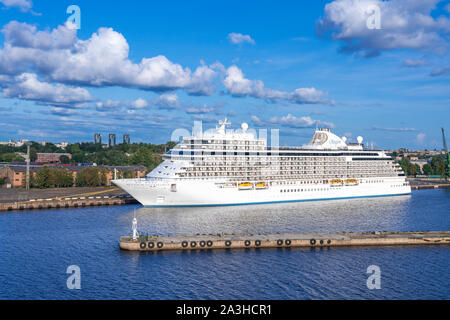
148	68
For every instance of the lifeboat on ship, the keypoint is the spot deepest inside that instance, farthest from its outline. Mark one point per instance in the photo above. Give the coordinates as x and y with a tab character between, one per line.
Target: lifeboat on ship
336	182
351	182
245	186
261	186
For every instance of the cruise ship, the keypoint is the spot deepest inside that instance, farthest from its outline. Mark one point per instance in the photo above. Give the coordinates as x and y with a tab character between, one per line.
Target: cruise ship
224	167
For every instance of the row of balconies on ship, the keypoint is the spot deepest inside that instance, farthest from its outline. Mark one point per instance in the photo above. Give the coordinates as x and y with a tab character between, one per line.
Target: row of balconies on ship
224	141
271	176
182	147
287	171
229	155
252	166
271	171
209	142
258	163
255	167
284	163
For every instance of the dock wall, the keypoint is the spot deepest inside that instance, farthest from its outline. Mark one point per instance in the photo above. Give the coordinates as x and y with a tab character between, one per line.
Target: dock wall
209	242
65	203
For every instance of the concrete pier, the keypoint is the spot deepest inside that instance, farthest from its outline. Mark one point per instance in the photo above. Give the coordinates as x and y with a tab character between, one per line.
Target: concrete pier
80	202
291	240
430	186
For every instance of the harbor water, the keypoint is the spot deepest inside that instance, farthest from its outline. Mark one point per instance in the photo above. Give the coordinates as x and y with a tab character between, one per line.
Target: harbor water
38	246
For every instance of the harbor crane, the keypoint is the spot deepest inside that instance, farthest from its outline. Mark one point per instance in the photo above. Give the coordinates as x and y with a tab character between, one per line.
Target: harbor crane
446	155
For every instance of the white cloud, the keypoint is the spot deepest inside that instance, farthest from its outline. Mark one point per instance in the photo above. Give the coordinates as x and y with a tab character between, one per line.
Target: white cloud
238	85
298	122
27	86
420	138
63	111
101	60
239	38
139	104
167	101
204	109
440	72
24	35
23	5
109	105
404	25
291	121
410	63
256	120
392	129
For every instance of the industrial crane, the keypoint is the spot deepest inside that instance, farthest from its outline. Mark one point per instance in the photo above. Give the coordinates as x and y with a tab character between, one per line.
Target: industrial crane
447	155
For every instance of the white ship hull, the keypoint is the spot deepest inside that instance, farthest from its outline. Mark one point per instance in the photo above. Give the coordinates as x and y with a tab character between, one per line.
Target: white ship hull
208	193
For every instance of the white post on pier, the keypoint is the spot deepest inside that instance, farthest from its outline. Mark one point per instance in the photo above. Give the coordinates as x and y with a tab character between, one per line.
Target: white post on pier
135	232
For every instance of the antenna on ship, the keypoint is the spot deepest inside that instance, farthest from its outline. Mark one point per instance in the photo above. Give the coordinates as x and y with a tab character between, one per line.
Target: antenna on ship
135	232
223	124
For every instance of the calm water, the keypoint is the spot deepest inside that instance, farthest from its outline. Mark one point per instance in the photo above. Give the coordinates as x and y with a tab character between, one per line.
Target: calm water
36	247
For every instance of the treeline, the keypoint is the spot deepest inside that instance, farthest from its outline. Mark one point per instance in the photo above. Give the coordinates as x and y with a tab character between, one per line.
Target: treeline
436	167
145	154
48	177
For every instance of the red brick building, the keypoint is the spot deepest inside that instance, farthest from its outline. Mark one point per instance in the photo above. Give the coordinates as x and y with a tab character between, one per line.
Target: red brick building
51	157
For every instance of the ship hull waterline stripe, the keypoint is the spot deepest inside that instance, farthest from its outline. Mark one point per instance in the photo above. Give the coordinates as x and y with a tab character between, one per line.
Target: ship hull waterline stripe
268	202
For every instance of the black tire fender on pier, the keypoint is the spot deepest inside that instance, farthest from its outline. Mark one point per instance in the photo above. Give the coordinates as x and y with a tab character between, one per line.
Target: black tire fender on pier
228	243
312	242
151	244
209	243
288	242
328	241
257	243
142	245
193	244
321	242
160	245
247	243
184	244
202	243
280	242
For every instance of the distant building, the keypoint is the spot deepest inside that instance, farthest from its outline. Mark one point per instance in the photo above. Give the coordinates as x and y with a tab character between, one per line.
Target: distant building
97	138
62	145
20	143
126	139
112	140
16	174
51	157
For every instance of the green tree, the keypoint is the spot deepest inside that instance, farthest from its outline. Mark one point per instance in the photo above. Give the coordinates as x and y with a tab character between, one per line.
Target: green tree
11	157
438	165
145	157
128	174
2	181
64	159
42	178
60	178
405	164
33	154
91	177
427	169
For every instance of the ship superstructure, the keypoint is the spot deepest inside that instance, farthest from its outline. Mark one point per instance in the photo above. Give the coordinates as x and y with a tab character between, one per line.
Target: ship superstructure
235	168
